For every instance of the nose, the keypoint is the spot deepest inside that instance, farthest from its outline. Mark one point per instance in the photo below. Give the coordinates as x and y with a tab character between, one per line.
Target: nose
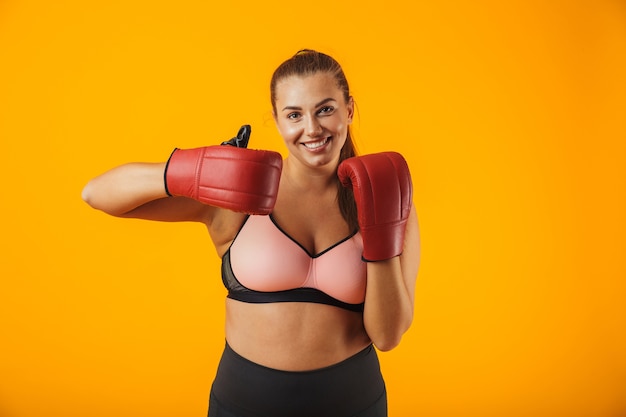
313	127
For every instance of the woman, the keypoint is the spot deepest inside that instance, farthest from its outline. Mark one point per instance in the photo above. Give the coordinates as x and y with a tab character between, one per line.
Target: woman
315	277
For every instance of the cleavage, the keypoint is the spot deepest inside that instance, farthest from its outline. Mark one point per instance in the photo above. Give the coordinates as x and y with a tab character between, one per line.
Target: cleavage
312	242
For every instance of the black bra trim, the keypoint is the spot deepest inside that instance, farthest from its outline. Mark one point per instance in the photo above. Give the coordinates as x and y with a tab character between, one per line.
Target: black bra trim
331	247
296	295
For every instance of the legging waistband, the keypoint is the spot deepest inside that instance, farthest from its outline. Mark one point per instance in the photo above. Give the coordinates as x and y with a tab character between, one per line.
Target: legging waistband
342	390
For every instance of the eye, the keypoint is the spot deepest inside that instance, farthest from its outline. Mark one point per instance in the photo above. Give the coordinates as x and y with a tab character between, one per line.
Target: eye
326	110
293	115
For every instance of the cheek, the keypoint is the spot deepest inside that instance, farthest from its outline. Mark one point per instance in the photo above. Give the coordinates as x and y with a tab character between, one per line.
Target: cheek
289	131
341	126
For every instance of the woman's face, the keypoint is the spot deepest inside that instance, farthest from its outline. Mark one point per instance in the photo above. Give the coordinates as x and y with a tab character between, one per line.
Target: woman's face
312	116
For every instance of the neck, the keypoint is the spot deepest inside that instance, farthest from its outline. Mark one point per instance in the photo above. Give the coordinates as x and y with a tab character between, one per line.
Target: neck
309	178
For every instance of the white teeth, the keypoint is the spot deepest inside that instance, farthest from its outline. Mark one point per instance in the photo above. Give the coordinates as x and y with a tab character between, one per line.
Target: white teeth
315	145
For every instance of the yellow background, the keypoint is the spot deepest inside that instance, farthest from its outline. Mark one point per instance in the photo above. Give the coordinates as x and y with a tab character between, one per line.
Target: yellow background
512	118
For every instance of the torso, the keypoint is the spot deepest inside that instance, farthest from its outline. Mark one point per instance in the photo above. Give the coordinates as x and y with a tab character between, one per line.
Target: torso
293	336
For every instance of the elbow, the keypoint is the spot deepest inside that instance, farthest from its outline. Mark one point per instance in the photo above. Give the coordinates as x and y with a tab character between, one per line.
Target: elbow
87	194
96	197
390	338
387	343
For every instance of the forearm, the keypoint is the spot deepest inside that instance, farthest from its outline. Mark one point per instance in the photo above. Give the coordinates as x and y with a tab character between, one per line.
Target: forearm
388	307
125	188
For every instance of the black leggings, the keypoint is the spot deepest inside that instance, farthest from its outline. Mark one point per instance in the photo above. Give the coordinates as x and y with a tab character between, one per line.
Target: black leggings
351	388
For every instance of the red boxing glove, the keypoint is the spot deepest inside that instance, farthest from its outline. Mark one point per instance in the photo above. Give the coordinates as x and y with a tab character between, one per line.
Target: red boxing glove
383	191
230	176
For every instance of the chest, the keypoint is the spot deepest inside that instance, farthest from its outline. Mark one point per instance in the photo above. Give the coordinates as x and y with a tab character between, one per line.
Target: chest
265	258
315	223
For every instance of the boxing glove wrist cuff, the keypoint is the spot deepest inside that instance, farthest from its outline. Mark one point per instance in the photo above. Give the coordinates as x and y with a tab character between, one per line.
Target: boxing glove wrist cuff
167	164
382	242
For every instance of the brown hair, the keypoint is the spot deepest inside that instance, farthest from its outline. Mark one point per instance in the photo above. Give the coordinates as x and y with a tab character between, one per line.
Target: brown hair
308	62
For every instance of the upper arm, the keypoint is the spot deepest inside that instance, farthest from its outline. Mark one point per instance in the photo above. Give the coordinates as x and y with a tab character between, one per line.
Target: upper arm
172	209
222	224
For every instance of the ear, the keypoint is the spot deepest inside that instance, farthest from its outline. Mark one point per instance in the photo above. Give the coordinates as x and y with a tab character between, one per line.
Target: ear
350	107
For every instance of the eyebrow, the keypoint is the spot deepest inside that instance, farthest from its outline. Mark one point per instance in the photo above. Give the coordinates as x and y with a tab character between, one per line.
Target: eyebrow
326	100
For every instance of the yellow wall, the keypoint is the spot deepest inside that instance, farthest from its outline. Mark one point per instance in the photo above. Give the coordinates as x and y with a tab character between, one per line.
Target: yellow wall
512	117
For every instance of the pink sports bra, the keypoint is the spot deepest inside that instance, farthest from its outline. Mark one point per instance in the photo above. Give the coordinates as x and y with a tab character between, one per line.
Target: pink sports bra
266	265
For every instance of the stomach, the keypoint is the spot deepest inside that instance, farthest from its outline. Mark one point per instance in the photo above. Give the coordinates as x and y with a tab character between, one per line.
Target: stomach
294	336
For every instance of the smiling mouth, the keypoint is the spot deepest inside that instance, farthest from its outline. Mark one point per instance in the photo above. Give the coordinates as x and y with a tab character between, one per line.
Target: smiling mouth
316	145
